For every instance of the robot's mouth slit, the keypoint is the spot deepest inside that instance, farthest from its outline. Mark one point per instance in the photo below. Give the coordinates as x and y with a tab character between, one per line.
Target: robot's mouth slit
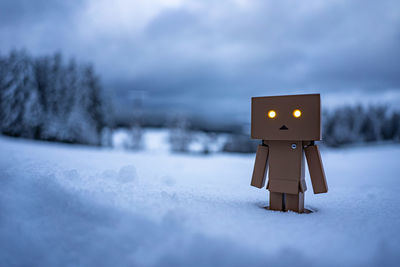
284	128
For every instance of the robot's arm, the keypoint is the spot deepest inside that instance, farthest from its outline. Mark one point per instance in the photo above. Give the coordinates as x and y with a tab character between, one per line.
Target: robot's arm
260	166
316	168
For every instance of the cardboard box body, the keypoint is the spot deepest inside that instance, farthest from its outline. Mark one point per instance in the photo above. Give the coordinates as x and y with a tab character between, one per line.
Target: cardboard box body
287	138
286	167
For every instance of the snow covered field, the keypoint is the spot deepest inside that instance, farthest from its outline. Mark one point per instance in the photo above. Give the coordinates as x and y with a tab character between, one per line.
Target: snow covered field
64	205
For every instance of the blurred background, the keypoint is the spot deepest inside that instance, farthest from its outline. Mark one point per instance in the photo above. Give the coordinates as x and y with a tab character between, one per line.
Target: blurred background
179	75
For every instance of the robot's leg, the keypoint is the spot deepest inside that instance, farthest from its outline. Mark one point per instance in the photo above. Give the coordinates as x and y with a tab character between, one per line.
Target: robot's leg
276	201
295	202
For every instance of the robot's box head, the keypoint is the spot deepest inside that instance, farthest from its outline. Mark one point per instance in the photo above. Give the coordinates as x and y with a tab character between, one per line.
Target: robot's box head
291	117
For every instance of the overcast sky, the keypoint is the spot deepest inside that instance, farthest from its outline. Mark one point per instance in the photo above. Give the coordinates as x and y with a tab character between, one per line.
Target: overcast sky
210	57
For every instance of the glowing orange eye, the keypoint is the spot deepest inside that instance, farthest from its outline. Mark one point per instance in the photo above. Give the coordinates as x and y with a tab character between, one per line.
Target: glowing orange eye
297	113
271	114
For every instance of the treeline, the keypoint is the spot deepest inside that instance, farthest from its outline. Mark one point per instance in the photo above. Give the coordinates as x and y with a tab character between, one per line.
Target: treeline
341	126
46	98
358	124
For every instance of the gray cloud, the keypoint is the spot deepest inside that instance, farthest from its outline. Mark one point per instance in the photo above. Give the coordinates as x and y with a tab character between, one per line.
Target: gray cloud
213	56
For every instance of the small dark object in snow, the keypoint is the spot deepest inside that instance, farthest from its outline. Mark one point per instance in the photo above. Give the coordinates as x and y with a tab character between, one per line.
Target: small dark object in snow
288	126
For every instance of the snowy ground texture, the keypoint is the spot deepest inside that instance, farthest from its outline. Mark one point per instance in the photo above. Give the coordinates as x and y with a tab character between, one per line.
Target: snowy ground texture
79	206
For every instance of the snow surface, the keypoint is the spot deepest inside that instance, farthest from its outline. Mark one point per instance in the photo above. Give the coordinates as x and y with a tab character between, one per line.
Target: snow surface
64	205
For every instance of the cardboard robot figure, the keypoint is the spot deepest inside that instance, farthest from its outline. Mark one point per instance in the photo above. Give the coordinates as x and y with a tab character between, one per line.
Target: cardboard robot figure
288	127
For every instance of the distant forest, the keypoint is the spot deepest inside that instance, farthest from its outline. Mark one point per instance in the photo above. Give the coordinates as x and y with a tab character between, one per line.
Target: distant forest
342	126
358	124
48	98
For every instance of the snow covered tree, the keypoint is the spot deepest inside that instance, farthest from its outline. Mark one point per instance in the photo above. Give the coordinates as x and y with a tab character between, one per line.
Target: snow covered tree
180	136
391	127
44	98
341	126
18	95
240	143
370	129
